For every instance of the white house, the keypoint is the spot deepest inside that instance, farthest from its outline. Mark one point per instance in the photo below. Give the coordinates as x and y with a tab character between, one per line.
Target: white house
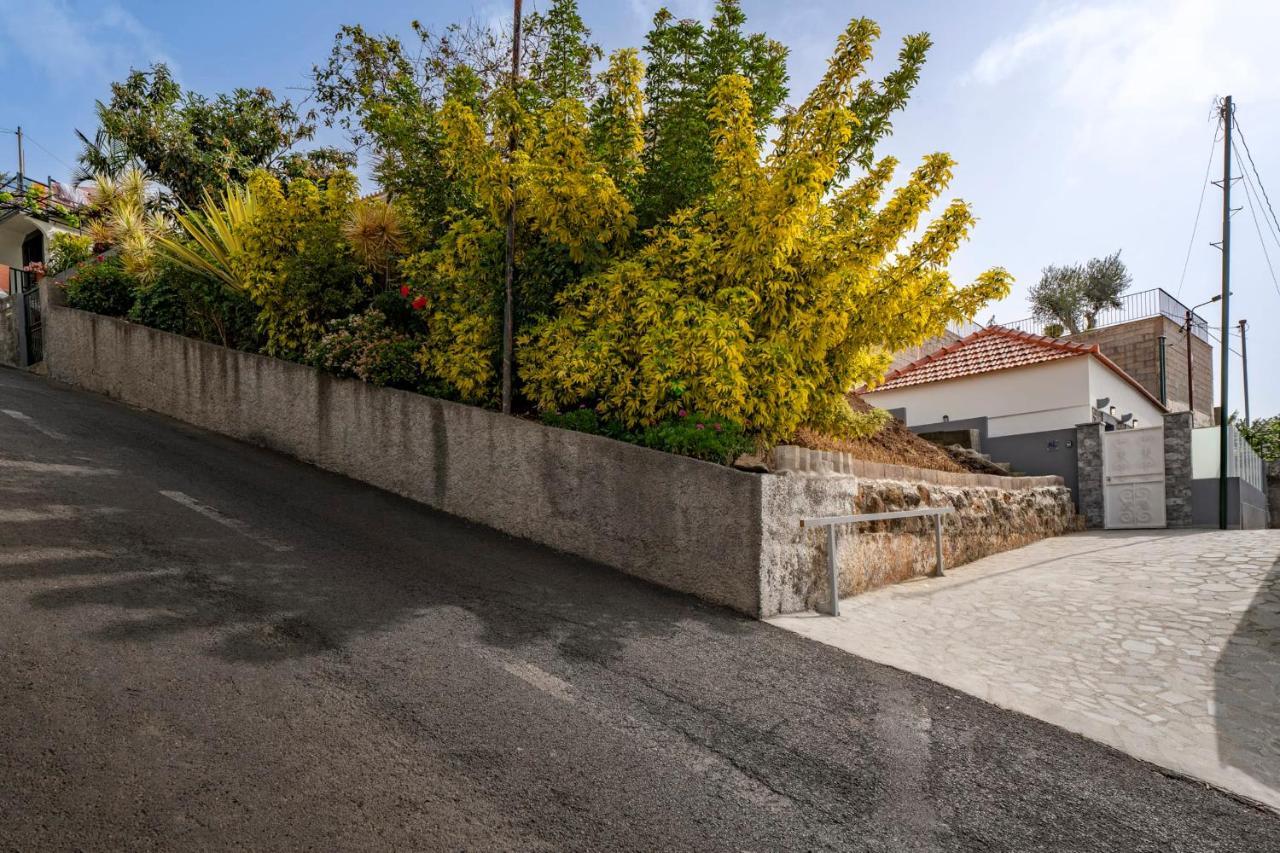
26	230
1023	394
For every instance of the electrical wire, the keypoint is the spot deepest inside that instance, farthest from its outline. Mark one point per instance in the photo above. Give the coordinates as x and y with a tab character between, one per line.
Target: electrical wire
1249	193
37	144
1199	207
1273	223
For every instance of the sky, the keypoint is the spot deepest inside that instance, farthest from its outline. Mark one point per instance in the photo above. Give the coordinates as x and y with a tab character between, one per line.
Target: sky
1080	128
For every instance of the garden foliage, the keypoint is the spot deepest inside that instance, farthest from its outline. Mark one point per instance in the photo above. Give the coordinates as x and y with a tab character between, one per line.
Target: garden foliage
697	268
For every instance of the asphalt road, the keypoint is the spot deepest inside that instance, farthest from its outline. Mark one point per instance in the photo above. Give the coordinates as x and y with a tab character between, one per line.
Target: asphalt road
207	645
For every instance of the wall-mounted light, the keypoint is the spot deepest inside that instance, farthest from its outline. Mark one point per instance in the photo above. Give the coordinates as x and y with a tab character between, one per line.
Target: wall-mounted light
1134	425
946	419
1111	410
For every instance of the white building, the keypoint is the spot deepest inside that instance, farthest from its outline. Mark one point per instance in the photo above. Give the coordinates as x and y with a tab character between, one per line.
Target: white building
1022	394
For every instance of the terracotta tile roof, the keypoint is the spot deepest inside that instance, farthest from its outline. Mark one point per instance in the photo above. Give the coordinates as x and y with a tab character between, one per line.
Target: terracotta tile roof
991	349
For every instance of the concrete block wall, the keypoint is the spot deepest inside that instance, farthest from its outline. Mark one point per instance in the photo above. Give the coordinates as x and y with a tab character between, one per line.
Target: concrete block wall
727	536
8	329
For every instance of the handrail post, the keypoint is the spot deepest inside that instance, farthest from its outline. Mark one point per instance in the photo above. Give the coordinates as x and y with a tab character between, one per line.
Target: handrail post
833	570
937	542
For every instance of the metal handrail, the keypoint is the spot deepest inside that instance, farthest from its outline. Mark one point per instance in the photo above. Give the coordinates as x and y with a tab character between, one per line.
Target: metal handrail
1156	302
831	521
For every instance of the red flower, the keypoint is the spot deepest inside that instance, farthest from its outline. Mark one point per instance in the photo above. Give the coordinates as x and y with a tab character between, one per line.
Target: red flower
404	290
98	259
419	303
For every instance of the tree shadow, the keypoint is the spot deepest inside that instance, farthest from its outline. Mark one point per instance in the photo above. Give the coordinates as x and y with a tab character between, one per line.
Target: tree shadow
1247	689
363	562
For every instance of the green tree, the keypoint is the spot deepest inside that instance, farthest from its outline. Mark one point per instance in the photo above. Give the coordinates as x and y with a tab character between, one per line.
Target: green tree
685	61
1263	436
189	142
772	296
1072	296
563	69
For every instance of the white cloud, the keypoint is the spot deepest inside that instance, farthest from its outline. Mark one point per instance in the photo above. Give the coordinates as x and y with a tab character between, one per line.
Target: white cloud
645	9
1131	68
71	42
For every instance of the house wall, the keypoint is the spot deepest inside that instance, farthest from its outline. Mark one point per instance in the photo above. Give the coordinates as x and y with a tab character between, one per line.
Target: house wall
1135	348
15	229
1246	506
1103	382
1046	396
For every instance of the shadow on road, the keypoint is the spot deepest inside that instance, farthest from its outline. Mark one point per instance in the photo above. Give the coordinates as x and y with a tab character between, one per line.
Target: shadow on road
363	562
1247	689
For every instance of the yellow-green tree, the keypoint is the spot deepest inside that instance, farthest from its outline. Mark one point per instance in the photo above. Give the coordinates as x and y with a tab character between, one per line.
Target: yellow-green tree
772	297
572	215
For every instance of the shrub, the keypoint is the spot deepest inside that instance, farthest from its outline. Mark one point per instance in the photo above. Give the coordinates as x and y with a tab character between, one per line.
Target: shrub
366	347
103	287
191	304
706	437
1263	436
67	249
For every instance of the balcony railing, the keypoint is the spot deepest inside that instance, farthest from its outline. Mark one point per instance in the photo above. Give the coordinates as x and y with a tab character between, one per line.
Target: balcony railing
1133	306
50	196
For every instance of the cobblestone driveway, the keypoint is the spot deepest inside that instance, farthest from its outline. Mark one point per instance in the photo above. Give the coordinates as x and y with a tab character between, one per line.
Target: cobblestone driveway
1163	644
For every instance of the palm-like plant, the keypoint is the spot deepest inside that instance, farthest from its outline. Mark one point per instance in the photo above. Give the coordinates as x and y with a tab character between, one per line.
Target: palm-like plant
102	155
215	232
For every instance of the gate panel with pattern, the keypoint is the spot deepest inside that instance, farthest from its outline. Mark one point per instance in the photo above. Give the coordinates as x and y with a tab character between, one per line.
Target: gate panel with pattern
1133	478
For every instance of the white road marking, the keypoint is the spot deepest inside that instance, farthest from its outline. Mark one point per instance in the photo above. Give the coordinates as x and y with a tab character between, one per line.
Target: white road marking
537	677
226	521
35	425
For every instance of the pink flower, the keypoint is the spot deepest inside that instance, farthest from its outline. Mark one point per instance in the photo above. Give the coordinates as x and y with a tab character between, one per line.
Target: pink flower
682	413
700	426
717	427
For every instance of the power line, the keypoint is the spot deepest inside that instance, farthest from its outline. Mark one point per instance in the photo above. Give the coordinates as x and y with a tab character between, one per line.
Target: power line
1250	196
1273	222
1199	207
37	144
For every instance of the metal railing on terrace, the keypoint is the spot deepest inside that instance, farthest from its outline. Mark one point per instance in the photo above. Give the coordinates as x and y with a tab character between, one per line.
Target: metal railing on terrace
51	197
1156	302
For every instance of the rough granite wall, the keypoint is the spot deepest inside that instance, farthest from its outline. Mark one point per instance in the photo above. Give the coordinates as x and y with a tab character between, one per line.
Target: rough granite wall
874	554
1177	470
1089	477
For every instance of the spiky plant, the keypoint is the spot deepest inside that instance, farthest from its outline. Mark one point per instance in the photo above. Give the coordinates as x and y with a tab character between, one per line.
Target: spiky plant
213	236
375	233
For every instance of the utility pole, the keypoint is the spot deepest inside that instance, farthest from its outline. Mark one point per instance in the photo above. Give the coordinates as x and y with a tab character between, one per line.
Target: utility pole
22	161
1228	118
1191	383
1244	362
1164	385
509	306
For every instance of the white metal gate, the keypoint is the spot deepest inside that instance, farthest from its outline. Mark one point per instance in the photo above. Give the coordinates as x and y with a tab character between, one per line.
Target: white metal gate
1133	477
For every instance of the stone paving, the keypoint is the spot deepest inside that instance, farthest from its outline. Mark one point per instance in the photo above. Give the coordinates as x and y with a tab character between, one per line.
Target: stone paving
1164	644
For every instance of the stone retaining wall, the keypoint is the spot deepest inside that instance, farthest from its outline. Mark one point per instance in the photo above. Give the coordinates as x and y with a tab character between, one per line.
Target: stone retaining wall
727	536
986	521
